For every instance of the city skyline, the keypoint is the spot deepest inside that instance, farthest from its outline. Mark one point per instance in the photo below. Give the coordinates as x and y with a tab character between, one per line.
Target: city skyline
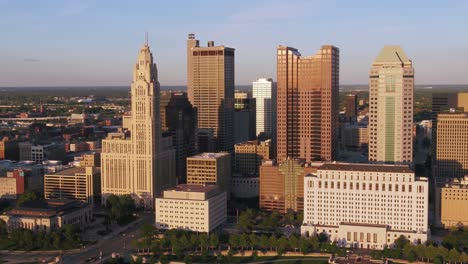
37	41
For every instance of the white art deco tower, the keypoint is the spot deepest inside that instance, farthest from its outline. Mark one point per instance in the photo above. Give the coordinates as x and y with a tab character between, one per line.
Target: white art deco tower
139	161
391	85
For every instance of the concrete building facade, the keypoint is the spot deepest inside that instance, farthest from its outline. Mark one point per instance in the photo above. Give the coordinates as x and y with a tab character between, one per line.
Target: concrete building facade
76	183
196	208
210	168
366	205
452	203
391	91
452	146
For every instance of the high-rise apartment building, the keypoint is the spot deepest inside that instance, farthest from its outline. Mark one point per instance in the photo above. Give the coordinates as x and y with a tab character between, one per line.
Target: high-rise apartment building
210	86
282	185
179	120
264	92
139	162
351	105
307	103
391	88
366	205
452	146
210	168
250	154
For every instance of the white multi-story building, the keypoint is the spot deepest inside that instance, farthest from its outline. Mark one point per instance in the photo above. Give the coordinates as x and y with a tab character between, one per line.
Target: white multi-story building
198	208
264	92
364	205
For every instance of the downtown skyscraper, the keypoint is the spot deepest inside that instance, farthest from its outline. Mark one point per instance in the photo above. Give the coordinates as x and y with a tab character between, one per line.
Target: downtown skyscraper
138	161
391	88
264	92
307	103
210	87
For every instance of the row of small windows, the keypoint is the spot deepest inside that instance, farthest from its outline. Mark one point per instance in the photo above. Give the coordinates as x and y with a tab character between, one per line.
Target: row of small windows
364	186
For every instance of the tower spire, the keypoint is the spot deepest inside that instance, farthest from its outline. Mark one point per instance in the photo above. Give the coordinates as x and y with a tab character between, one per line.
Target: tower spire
146	38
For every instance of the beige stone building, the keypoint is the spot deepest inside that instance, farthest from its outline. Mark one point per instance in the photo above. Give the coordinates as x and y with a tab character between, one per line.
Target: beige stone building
91	160
249	156
391	91
210	168
210	87
197	208
452	203
76	183
452	145
366	205
139	161
48	215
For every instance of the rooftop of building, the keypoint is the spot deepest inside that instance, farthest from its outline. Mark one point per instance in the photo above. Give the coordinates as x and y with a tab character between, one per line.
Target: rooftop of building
392	54
196	188
366	167
363	224
210	155
46	208
254	142
72	171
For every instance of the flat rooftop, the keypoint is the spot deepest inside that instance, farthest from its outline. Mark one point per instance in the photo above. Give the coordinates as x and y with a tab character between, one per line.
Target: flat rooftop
210	155
72	171
196	188
366	167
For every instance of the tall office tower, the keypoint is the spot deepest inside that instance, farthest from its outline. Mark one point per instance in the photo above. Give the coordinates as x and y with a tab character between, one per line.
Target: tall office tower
264	92
282	185
143	163
210	86
179	120
244	117
307	104
391	85
351	105
452	145
442	102
366	205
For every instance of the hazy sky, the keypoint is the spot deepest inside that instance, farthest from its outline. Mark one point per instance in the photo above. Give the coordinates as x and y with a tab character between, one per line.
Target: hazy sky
84	42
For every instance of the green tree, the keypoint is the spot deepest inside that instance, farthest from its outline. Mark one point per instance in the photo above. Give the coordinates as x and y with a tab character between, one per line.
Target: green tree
294	242
234	241
214	241
244	241
401	242
264	242
438	260
453	255
194	242
247	220
164	260
26	197
148	230
204	241
254	241
188	259
3	229
304	245
283	245
431	252
411	257
273	242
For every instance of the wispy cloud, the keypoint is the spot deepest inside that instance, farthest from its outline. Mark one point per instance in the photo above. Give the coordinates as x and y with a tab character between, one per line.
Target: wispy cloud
74	7
31	60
